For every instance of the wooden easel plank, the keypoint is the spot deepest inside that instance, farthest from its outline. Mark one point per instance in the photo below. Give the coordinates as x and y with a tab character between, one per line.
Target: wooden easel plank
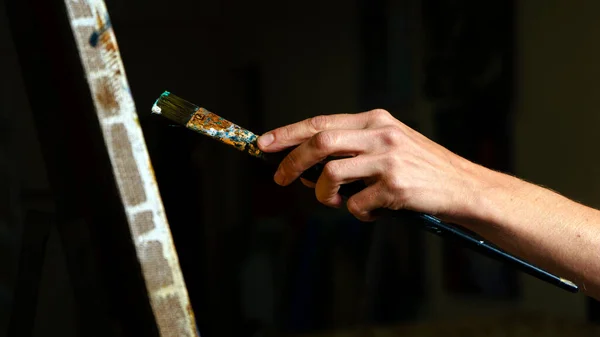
100	171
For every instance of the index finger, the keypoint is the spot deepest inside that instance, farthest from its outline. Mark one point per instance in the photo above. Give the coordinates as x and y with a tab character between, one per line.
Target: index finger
296	133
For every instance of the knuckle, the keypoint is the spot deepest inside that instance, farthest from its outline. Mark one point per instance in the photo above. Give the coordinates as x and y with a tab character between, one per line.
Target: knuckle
318	123
283	133
323	140
396	186
357	210
391	135
354	207
381	115
391	163
331	172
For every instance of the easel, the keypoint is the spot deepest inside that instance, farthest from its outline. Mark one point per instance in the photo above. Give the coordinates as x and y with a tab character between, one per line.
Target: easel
107	202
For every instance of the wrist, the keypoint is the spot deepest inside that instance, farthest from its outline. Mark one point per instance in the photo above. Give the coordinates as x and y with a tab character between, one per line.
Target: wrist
486	193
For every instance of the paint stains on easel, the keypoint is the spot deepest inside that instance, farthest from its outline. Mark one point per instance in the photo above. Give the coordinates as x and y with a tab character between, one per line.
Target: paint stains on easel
98	34
108	87
106	96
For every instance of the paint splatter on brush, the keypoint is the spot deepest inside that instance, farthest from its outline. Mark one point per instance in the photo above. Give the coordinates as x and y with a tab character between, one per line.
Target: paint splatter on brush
207	123
155	108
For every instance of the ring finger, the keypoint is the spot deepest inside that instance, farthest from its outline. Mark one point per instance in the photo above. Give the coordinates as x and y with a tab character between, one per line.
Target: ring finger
343	171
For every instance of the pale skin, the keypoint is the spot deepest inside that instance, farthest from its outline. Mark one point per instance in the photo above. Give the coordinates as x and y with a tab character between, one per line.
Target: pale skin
406	170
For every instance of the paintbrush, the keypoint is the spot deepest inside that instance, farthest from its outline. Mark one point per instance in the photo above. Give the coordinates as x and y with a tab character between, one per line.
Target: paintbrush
209	124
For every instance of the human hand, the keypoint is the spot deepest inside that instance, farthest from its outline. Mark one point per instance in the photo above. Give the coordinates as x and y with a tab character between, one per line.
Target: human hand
402	168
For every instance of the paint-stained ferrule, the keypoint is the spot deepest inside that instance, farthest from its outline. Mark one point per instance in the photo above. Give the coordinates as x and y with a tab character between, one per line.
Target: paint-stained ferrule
214	126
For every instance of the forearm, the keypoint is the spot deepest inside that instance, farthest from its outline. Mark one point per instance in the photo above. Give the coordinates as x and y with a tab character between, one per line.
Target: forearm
409	171
538	225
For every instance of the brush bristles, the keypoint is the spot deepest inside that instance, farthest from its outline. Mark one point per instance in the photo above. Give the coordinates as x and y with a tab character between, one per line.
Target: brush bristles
174	108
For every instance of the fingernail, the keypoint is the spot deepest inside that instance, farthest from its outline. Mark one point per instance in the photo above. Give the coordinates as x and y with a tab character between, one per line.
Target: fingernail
279	178
265	140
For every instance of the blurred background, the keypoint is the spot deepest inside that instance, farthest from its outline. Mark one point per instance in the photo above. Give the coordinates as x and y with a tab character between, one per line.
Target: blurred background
510	85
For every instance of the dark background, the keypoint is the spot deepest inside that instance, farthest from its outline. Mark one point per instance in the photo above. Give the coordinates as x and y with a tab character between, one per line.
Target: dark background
511	86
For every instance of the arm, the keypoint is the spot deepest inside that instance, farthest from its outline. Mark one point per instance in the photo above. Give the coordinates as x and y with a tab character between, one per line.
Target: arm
405	170
541	226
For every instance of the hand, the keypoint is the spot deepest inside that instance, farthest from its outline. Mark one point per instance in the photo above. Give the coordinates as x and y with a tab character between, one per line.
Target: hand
402	168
